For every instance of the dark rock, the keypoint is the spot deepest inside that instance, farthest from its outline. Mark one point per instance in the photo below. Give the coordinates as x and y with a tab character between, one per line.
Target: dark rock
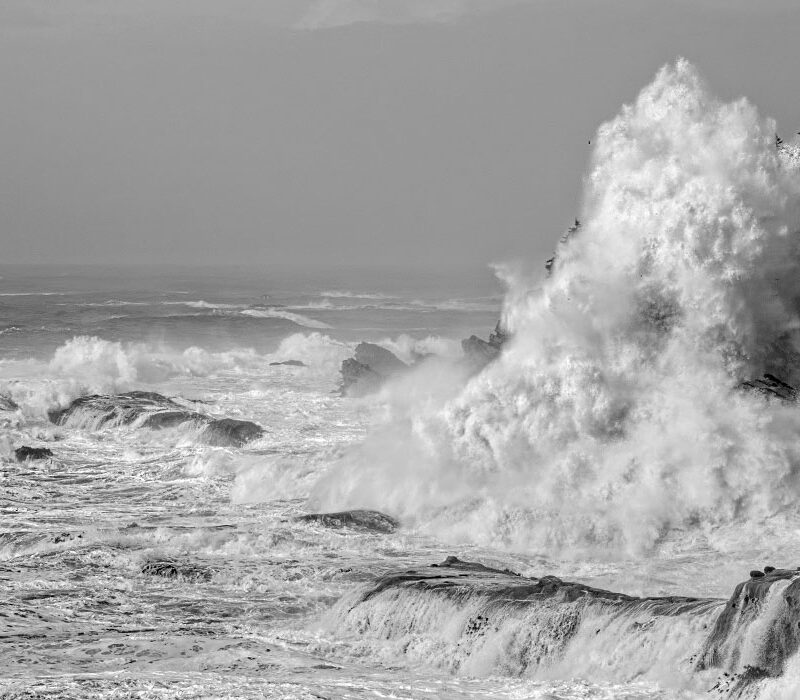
359	379
772	387
368	369
227	432
778	638
66	537
498	337
379	359
148	409
550	263
478	353
769	569
756	574
25	453
371	520
177	570
7	403
289	363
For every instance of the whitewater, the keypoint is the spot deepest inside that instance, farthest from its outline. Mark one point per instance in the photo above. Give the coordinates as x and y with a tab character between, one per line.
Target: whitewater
612	443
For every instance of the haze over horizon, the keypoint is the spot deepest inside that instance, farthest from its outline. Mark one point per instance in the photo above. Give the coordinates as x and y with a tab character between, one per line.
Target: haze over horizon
337	132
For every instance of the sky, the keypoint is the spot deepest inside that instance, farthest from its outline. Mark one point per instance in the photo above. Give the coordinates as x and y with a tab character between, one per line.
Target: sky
333	132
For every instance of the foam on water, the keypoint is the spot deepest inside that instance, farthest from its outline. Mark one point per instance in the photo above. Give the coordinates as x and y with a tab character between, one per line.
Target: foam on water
299	319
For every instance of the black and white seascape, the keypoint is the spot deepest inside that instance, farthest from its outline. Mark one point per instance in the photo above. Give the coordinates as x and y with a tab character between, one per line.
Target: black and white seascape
331	366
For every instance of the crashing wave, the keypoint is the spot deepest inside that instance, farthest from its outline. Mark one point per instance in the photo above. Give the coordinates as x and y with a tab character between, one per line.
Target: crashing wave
614	416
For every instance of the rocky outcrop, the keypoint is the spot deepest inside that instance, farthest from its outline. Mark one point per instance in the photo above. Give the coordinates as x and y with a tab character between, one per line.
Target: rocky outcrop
146	409
772	387
7	403
289	363
550	263
177	570
757	631
478	353
368	369
521	623
371	520
25	453
225	432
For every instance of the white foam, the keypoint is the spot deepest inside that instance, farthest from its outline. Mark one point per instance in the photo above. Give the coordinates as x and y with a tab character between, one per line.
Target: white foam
299	319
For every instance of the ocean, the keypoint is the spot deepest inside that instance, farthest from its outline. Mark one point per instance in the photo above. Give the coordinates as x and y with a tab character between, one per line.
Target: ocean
617	441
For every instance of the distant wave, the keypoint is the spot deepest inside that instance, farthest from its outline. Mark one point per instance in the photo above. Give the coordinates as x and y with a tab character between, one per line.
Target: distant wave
33	294
111	302
200	304
335	294
299	319
418	305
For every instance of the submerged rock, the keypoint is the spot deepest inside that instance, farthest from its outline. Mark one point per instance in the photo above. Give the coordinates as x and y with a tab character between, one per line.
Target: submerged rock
366	371
66	537
26	453
147	409
177	570
289	363
358	519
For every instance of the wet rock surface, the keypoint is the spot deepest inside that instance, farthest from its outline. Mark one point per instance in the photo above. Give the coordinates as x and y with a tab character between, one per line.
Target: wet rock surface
7	403
748	639
757	631
370	366
26	453
372	520
478	352
454	578
769	385
148	409
230	432
177	570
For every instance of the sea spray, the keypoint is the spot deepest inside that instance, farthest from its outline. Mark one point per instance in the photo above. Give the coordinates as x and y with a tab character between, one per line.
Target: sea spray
614	416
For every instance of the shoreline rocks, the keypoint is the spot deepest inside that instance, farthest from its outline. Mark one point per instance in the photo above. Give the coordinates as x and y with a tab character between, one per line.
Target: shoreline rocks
371	520
146	409
368	369
7	403
27	454
372	365
530	622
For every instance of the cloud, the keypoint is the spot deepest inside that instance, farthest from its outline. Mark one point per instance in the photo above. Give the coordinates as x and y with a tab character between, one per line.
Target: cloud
326	14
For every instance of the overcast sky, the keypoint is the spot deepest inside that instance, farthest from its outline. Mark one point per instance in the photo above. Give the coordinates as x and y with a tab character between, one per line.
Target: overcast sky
337	131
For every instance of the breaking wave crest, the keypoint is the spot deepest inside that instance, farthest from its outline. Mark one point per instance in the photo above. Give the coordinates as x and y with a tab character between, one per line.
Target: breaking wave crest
614	415
299	319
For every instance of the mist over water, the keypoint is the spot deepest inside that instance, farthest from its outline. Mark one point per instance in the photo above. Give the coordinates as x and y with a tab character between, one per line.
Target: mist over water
614	417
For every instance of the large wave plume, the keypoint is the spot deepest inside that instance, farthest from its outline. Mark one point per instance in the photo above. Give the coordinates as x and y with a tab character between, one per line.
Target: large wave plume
615	415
